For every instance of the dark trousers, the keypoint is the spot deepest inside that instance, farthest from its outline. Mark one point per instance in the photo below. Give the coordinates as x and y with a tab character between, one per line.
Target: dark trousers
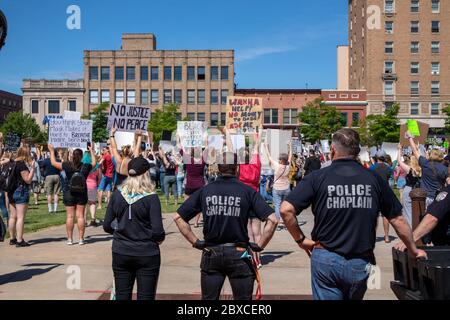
127	269
220	262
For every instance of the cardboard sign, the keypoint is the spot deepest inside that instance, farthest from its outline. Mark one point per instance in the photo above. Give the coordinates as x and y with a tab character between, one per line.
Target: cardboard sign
72	115
128	118
191	133
244	114
12	141
423	128
70	133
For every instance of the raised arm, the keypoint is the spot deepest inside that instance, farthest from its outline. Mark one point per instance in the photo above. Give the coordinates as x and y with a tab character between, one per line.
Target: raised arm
115	152
414	148
228	142
137	147
93	156
290	152
266	148
163	157
400	162
57	165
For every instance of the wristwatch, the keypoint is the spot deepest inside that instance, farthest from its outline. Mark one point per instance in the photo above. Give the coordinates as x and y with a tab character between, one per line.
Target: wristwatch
300	241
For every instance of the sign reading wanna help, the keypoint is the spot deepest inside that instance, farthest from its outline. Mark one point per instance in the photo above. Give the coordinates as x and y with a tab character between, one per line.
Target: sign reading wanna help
244	114
70	133
191	133
128	118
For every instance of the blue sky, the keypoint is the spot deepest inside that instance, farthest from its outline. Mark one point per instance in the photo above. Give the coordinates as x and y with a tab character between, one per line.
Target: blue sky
278	43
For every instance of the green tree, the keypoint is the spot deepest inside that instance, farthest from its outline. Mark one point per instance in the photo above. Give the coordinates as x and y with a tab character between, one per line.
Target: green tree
446	111
99	116
164	119
319	121
379	128
24	125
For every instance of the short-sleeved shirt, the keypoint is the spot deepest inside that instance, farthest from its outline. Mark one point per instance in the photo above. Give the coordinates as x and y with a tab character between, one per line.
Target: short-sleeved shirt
383	170
281	176
70	171
195	171
312	164
108	165
226	205
250	174
346	200
440	209
21	167
434	175
50	170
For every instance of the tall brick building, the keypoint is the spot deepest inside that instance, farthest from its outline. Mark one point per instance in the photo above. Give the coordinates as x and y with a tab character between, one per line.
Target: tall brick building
139	74
399	53
9	102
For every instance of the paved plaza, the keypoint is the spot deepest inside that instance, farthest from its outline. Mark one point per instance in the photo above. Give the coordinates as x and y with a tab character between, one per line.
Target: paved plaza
46	269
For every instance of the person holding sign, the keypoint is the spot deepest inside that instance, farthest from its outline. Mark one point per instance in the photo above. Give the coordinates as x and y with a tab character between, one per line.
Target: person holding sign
170	180
75	195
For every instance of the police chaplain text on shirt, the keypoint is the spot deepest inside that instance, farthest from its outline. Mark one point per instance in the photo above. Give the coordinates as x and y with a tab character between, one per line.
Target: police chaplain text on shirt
346	200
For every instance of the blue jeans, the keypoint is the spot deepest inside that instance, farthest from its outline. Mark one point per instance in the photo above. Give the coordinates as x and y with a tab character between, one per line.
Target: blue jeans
333	277
180	180
262	188
278	197
162	174
3	206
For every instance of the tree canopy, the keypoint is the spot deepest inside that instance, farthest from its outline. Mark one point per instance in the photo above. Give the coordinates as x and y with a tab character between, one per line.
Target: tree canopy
99	116
446	111
164	119
25	126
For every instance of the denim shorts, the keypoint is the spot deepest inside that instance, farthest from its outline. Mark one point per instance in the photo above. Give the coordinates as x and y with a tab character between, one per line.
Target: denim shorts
21	195
105	184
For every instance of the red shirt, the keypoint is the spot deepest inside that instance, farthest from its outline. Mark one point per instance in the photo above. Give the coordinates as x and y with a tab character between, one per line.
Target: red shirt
108	165
250	173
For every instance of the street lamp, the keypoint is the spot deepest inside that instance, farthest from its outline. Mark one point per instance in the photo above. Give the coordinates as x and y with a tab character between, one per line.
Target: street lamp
3	29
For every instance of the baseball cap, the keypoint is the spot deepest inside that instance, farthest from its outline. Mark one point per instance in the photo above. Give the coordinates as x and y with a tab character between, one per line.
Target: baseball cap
138	166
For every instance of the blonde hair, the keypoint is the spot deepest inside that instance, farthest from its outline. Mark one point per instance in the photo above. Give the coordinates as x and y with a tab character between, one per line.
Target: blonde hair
415	167
139	185
23	154
436	155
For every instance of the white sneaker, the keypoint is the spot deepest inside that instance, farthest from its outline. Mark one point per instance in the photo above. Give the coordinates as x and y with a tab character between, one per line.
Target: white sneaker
81	242
69	242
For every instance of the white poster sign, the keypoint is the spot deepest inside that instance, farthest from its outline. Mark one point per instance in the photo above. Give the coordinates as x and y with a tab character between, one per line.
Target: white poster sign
390	149
124	139
238	141
128	118
325	146
215	142
191	133
72	115
70	133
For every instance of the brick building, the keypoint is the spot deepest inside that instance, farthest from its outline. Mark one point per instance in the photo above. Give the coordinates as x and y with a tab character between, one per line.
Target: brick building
9	102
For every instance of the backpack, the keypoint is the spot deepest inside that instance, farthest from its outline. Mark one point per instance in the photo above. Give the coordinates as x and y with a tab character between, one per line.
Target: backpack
8	179
77	183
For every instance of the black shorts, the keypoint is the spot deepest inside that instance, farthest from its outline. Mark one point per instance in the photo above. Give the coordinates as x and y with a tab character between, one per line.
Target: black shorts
74	199
190	191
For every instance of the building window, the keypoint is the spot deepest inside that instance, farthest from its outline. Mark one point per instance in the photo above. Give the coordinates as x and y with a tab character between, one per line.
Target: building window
214	96
435	68
167	73
144	73
144	97
119	74
191	97
105	73
131	73
389	6
290	116
223	118
414	109
414	88
388	67
415	4
414	26
435	109
214	73
53	106
271	116
415	67
34	106
389	47
191	116
355	119
389	88
435	6
344	119
93	96
131	96
214	119
155	97
167	96
435	87
93	73
178	96
435	47
201	73
191	73
224	73
201	96
72	105
201	116
389	27
178	74
154	73
415	47
105	96
435	26
223	96
119	96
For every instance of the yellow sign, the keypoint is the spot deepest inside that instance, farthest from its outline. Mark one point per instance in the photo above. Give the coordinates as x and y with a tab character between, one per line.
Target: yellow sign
244	114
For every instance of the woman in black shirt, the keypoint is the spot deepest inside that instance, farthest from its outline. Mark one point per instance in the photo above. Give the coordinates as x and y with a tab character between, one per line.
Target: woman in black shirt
137	235
75	189
19	195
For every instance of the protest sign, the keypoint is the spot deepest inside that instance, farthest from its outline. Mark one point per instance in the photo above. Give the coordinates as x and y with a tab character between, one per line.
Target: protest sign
12	141
296	146
238	141
70	133
364	154
72	115
215	142
166	146
191	133
124	139
390	149
166	135
325	144
128	118
423	130
244	114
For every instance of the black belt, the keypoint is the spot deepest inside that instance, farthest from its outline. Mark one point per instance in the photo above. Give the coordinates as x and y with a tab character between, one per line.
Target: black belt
230	245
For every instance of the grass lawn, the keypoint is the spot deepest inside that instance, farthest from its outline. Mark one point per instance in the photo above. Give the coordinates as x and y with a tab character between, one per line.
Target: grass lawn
38	217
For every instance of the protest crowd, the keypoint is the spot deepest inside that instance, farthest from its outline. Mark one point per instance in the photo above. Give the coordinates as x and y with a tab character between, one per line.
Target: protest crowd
242	191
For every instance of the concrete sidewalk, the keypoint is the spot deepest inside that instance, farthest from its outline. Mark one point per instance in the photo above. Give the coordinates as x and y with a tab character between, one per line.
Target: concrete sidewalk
46	269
